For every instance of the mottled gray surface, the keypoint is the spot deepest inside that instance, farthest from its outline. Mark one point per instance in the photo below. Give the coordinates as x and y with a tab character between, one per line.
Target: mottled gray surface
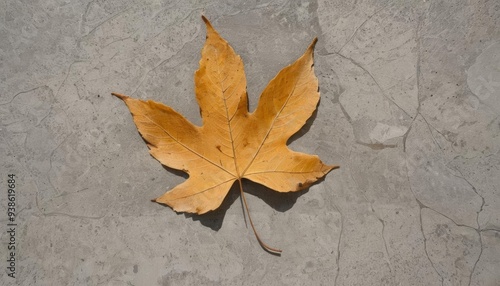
410	104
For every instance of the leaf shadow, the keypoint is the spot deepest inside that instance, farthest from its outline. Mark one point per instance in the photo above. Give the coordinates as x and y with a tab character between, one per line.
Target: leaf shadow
306	126
174	171
278	201
214	219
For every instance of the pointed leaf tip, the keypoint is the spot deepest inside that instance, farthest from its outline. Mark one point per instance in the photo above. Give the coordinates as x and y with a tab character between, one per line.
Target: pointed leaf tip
119	95
315	40
207	23
310	49
309	53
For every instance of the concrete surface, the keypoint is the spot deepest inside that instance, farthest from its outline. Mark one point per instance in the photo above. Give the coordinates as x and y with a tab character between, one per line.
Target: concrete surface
409	110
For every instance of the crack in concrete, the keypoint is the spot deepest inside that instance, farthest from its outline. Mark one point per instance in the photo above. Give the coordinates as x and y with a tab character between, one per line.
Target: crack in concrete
337	259
45	116
63	194
477	193
430	127
44	214
371	76
67	75
73	216
478	258
359	27
51	108
388	260
21	92
385	244
478	229
417	75
490	229
375	81
346	115
103	22
164	9
143	78
376	146
83	19
420	207
50	162
118	40
259	7
173	23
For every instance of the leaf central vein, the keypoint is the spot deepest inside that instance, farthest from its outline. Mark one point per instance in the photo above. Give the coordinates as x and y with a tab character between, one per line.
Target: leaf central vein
187	147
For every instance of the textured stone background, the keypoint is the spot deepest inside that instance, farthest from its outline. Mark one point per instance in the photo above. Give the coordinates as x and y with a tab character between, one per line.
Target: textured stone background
410	110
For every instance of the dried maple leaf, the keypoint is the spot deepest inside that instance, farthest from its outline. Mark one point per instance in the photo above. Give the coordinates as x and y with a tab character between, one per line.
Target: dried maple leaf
232	143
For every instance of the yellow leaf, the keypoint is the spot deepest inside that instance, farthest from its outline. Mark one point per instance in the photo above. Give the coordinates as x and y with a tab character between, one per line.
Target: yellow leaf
232	143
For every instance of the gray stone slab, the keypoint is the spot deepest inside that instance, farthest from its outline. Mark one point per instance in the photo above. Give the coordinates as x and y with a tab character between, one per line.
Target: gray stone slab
410	105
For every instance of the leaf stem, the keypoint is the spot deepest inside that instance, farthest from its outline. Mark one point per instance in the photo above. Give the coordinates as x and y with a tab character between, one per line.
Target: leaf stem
265	246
